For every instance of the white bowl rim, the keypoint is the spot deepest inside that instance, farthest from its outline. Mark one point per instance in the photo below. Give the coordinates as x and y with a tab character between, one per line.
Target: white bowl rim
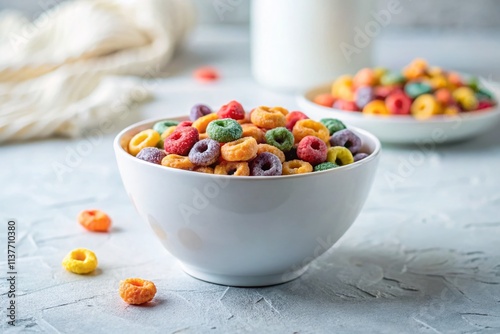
303	99
119	150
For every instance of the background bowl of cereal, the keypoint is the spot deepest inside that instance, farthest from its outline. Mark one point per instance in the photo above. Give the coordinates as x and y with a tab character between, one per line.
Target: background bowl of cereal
418	104
245	230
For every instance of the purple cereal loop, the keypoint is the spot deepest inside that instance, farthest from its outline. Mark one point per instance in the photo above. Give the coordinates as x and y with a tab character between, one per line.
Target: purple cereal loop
347	139
199	110
364	95
151	154
266	164
359	156
205	152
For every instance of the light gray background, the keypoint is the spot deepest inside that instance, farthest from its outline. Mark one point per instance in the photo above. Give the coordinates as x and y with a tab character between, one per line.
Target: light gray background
451	14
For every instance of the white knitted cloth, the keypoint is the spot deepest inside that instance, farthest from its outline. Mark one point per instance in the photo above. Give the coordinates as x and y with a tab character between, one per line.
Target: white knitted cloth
67	70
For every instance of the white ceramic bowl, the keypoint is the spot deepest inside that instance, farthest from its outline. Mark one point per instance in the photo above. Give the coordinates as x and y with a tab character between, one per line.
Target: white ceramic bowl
246	231
406	129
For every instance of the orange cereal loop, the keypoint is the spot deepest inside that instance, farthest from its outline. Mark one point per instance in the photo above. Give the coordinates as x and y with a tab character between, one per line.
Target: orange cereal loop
177	161
137	291
376	107
232	168
203	136
365	77
242	149
268	118
416	69
419	63
296	167
146	138
250	130
309	127
203	169
325	100
271	149
94	220
455	80
201	123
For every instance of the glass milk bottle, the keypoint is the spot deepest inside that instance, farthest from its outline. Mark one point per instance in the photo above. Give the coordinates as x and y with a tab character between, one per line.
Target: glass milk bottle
300	43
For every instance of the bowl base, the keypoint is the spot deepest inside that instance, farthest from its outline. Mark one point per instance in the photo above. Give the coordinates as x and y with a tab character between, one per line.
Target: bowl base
243	281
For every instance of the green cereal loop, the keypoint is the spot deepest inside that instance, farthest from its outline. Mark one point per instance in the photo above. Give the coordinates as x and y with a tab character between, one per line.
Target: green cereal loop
325	166
484	94
281	138
473	83
392	78
333	125
415	89
161	126
224	130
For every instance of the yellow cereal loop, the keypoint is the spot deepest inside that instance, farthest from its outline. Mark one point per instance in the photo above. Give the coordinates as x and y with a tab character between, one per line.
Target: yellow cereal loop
293	167
168	131
339	155
438	81
376	107
80	261
466	98
342	86
177	161
271	149
451	111
309	127
201	123
425	106
146	138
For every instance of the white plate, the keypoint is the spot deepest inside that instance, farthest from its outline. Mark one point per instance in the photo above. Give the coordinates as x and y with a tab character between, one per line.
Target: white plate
406	129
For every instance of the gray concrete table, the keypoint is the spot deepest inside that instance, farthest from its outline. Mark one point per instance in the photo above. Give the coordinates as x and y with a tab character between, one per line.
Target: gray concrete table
423	256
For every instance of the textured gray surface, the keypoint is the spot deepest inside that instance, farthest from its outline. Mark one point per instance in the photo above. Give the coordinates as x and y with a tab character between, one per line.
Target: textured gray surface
423	256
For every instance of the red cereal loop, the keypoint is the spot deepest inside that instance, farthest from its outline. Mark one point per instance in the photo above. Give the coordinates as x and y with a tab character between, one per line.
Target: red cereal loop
181	141
293	117
206	74
313	150
184	124
232	110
